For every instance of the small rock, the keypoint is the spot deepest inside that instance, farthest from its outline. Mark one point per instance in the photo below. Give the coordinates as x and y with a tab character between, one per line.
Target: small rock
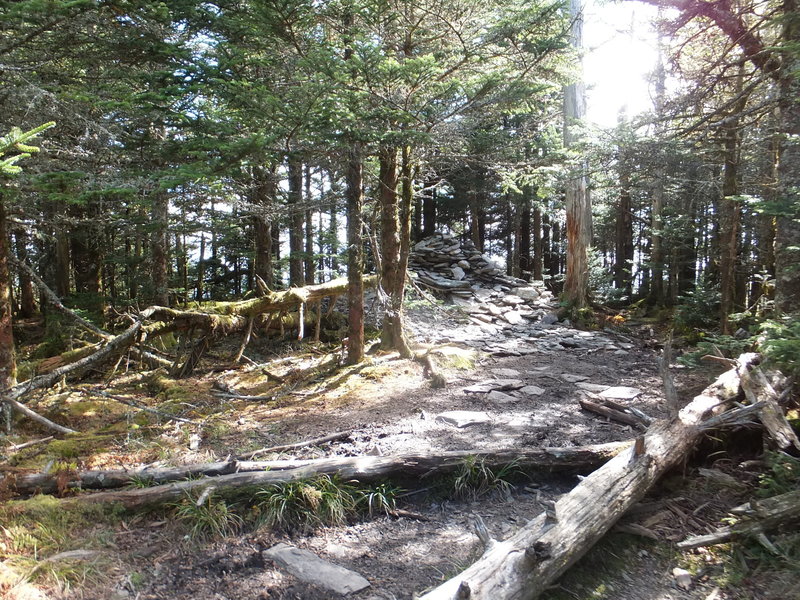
532	390
527	293
512	300
500	397
570	378
458	273
682	577
502	372
595	388
309	567
513	317
621	393
463	418
549	319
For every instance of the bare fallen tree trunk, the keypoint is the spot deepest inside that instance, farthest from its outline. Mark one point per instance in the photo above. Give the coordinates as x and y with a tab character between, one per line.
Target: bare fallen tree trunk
758	517
361	468
524	565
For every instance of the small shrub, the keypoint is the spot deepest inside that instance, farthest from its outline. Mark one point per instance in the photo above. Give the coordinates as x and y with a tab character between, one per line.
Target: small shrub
783	475
209	519
307	504
475	479
780	343
379	499
729	346
698	309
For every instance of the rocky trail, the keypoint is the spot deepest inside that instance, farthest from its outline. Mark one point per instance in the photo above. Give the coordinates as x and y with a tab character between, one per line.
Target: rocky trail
516	378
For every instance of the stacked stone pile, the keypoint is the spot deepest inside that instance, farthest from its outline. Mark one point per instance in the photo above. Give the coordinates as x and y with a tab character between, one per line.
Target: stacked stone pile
445	264
476	284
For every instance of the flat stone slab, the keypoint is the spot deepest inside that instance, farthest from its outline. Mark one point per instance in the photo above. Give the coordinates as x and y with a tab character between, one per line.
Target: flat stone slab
506	372
621	392
595	388
532	390
570	378
513	317
484	387
463	418
309	567
501	398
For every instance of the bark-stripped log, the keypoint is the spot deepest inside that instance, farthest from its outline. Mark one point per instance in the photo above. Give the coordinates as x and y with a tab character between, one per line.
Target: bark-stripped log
361	468
524	565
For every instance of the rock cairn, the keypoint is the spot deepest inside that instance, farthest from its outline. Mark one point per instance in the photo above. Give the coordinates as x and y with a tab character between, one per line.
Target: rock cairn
445	264
476	285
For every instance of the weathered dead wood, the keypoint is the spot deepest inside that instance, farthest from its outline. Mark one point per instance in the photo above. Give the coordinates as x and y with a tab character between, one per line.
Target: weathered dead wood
524	565
228	317
18	447
34	416
333	437
758	517
670	393
758	389
138	405
113	346
55	301
611	413
361	468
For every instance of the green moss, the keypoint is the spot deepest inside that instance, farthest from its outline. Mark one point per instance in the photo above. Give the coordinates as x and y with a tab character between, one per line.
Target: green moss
75	445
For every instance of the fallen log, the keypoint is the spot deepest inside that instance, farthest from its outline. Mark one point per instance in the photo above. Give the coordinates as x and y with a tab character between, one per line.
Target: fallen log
229	317
611	413
524	565
333	437
758	517
361	468
758	389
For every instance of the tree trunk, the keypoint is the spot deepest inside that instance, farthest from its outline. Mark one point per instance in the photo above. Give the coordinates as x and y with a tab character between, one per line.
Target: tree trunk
787	237
392	272
623	254
308	260
538	242
361	468
429	213
8	364
355	258
201	269
525	260
27	302
657	201
578	204
296	219
730	212
159	246
263	201
524	565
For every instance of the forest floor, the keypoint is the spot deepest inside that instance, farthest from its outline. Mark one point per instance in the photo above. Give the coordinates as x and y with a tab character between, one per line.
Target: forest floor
390	407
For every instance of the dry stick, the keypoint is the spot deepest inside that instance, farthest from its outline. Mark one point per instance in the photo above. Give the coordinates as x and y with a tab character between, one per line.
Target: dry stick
611	413
245	340
34	416
301	325
139	405
51	297
762	515
341	435
17	447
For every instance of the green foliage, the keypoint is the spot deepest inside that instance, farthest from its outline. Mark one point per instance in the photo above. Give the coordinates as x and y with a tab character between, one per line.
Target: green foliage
381	498
782	476
475	479
14	142
698	309
207	517
321	500
307	504
728	346
780	343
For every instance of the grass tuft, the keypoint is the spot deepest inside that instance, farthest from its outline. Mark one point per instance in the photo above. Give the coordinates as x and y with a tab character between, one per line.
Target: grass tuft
206	517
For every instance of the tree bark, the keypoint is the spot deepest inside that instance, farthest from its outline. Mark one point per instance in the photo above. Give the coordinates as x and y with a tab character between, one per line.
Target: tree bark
578	204
524	565
392	272
27	302
263	200
355	258
296	219
308	259
159	246
361	468
538	242
8	364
